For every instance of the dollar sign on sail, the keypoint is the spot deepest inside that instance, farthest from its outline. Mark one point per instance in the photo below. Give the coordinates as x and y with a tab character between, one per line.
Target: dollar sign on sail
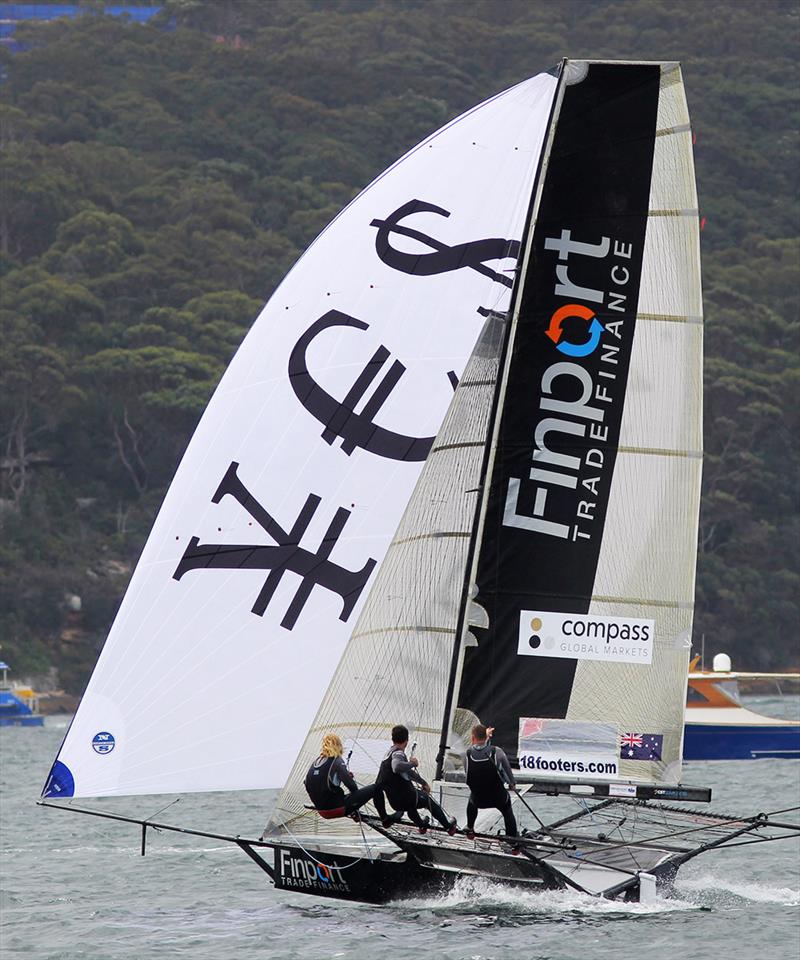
443	258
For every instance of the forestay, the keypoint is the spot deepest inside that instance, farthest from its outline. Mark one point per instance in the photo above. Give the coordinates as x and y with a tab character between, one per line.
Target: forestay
297	476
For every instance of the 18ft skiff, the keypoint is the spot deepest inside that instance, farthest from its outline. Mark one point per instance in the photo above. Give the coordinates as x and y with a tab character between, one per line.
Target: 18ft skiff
452	475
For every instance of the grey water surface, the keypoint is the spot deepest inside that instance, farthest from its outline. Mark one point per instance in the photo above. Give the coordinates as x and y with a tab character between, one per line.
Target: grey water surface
76	888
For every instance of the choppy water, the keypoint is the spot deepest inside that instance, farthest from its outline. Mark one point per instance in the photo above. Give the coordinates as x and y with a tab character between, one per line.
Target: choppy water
75	887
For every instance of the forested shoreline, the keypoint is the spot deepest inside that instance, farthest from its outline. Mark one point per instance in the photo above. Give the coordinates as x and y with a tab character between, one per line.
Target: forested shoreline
159	180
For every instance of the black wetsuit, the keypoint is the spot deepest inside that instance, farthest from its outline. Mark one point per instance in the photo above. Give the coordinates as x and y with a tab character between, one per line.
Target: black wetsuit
323	784
487	768
395	779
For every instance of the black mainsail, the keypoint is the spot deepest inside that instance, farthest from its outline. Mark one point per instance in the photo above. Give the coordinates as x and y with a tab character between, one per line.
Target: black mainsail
558	435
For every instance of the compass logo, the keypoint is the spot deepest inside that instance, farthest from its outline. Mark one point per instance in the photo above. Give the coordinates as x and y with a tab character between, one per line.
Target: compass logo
577	636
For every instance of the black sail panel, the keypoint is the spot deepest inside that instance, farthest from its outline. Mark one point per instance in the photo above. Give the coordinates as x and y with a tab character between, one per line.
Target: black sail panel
564	393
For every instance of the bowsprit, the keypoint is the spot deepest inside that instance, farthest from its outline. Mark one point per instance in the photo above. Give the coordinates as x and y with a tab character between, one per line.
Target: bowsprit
314	567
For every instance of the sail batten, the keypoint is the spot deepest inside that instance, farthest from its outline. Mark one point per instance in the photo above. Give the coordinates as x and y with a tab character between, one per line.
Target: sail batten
401	628
667	318
671	131
653	452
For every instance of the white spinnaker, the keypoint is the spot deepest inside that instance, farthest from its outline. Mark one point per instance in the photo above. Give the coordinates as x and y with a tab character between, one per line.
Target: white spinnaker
196	691
396	666
646	566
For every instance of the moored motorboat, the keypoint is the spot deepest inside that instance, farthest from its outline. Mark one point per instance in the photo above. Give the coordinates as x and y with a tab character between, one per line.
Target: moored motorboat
720	727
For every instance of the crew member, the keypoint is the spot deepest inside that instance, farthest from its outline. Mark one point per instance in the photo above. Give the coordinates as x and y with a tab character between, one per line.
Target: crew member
405	789
325	778
488	770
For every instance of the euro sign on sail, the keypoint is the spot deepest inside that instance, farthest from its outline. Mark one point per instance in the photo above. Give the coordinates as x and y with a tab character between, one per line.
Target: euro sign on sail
439	525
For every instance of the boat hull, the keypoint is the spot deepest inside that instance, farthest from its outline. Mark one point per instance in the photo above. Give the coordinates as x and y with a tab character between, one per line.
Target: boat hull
425	868
717	741
339	877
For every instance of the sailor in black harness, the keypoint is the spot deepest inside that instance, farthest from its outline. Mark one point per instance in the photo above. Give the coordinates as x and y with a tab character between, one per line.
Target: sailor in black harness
488	769
398	778
324	783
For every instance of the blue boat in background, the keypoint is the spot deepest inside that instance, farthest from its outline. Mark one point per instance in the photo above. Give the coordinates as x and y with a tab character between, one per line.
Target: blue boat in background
19	705
720	727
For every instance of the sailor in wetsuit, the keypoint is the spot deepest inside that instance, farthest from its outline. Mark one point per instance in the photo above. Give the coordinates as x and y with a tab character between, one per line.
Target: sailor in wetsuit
325	778
397	778
487	770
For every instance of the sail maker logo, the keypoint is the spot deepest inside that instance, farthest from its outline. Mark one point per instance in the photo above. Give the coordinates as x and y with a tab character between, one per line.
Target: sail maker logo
578	636
579	402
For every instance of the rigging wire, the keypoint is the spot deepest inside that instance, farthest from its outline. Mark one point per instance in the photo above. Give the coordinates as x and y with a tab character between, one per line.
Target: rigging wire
772	813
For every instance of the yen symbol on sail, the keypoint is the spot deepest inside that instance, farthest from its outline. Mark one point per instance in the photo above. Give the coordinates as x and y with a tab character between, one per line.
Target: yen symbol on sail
313	566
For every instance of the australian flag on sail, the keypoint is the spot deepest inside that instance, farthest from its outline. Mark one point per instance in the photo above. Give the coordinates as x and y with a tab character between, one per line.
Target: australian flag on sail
641	746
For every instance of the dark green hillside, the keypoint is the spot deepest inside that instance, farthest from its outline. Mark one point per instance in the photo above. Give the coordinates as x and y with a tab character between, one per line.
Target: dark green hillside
157	184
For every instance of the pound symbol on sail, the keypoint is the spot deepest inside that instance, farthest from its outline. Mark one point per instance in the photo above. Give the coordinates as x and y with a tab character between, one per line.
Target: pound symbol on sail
443	259
340	418
313	567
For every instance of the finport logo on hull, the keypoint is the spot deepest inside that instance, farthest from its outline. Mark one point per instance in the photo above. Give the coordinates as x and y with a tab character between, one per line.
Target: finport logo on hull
578	636
301	871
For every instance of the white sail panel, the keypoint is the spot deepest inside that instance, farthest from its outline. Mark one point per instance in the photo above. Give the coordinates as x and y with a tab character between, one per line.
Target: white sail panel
300	469
646	566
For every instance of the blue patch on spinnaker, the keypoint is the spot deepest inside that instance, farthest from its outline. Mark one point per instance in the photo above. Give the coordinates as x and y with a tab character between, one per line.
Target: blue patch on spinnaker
60	783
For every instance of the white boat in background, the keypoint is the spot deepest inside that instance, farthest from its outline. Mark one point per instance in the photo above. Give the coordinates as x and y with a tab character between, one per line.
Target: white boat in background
720	727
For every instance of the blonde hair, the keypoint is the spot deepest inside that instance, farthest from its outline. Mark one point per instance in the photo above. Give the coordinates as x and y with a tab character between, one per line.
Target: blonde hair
331	746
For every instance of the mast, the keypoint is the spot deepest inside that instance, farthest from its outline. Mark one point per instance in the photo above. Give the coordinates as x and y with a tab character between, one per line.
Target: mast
491	439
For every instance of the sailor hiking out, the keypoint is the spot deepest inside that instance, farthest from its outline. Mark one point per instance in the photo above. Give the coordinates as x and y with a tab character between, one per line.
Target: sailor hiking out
405	789
325	778
488	770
